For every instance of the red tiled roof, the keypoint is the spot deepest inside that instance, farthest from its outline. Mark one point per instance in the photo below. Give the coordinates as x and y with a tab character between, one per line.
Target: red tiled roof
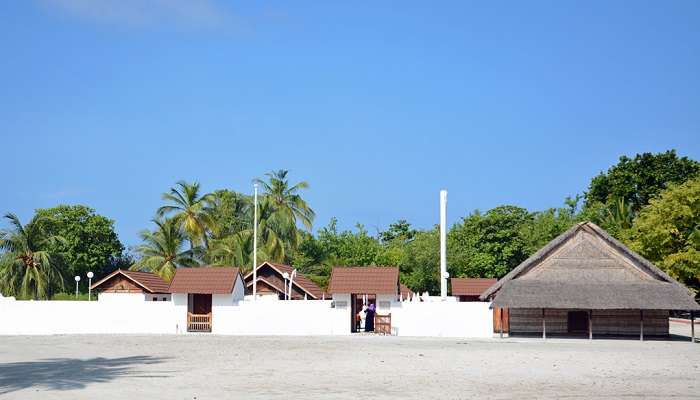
149	281
471	286
299	280
404	290
364	280
204	280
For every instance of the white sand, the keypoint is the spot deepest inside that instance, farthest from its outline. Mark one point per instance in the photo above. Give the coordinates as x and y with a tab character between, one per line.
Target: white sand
218	367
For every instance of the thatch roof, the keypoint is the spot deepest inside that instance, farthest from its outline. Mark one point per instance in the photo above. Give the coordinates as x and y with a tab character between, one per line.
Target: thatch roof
587	268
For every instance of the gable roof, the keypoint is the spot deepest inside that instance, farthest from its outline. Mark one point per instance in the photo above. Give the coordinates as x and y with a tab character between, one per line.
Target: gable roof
148	281
587	268
205	280
301	281
364	280
470	286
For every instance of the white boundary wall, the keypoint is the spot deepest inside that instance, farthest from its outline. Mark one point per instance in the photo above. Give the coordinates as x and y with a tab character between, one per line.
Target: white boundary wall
130	314
441	319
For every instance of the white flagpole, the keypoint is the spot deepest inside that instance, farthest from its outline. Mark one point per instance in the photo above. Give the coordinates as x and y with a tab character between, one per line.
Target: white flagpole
255	241
443	245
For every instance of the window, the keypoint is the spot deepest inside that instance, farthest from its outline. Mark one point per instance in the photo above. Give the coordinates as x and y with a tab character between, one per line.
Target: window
165	299
155	299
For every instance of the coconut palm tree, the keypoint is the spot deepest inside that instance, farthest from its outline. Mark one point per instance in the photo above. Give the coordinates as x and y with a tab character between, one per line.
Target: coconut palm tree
276	234
286	198
231	212
190	211
163	250
26	267
236	249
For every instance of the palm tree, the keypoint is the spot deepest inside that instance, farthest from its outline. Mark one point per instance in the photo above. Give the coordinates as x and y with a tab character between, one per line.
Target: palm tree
236	249
190	211
277	233
26	268
163	250
619	214
286	198
231	212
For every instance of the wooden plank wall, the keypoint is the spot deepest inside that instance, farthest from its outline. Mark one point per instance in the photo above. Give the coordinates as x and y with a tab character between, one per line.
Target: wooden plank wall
119	284
605	322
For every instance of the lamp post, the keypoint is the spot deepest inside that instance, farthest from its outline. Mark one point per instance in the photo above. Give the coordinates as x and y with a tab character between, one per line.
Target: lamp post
285	276
255	241
90	275
291	280
77	279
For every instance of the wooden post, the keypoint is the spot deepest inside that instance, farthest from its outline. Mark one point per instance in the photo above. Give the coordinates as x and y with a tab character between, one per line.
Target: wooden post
544	326
590	324
641	324
500	310
692	327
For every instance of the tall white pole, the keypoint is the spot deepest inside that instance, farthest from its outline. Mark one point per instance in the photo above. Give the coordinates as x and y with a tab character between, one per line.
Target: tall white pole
443	244
255	241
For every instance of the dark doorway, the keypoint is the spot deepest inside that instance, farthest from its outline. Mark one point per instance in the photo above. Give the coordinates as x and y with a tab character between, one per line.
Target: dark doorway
356	305
199	312
199	303
578	322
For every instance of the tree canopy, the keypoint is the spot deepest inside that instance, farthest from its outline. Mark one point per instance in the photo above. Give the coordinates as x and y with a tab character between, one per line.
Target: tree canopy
89	240
667	232
635	181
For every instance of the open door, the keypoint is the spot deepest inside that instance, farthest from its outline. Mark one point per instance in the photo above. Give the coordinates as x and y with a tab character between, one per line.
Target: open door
198	312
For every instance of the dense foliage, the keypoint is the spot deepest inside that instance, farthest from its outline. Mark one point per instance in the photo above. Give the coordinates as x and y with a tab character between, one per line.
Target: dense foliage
651	202
637	180
90	242
667	232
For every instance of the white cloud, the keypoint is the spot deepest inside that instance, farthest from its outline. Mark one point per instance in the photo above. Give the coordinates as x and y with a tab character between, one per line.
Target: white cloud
144	13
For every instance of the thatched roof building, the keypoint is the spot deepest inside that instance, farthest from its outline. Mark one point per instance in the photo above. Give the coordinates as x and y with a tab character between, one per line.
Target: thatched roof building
587	269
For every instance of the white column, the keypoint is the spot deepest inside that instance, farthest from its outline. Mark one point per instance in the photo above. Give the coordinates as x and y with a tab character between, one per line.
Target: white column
443	244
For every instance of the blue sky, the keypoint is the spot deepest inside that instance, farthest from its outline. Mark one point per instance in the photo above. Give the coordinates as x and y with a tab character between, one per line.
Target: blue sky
378	105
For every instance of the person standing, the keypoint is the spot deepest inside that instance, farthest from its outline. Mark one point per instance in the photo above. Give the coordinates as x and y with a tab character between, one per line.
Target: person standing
369	323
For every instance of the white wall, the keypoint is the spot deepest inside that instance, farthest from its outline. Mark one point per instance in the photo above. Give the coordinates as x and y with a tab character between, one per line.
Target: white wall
128	313
296	317
442	319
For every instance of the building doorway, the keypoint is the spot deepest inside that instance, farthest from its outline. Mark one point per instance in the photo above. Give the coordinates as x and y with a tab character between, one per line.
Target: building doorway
357	303
198	312
577	322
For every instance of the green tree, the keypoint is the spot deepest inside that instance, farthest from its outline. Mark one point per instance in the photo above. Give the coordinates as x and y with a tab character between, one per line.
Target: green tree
190	210
231	213
315	256
489	245
286	198
666	232
637	180
90	242
163	250
420	265
399	230
26	265
546	225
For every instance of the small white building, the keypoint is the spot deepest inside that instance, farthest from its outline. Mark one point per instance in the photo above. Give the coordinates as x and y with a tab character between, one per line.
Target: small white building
197	291
356	287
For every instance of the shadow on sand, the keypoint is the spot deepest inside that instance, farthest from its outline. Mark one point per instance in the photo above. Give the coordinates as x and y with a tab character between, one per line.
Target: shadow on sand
70	373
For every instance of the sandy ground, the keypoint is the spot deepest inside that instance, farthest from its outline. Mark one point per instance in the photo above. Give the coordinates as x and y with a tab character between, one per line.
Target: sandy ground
221	367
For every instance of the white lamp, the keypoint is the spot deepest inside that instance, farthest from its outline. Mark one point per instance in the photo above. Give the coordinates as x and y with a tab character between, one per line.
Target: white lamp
285	276
77	279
